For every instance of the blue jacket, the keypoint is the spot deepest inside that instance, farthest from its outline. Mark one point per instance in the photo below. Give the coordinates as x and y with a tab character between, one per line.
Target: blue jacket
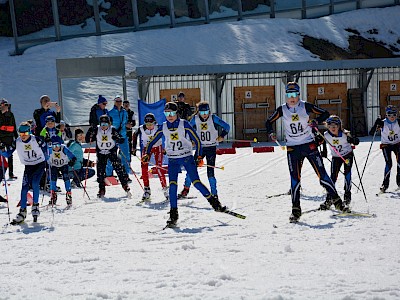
76	149
119	119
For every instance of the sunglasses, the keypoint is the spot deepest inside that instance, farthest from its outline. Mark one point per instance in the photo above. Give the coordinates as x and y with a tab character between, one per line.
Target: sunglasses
104	124
204	112
56	146
149	124
118	101
104	103
391	115
292	95
170	113
24	133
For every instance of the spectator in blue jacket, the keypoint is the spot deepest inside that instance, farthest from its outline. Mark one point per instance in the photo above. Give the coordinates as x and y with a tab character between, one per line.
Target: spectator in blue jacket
82	165
119	119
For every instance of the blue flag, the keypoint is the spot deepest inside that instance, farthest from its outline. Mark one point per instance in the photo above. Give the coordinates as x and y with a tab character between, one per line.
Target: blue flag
157	109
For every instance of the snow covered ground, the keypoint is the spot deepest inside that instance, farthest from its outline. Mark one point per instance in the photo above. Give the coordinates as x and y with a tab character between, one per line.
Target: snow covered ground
114	249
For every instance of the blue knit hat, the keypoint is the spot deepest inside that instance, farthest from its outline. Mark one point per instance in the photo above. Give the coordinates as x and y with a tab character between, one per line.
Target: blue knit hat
101	100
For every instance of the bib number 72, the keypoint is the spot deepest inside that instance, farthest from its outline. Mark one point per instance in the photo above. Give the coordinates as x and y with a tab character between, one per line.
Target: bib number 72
177	145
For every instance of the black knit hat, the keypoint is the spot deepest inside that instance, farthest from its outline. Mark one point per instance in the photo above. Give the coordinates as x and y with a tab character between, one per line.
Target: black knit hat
78	131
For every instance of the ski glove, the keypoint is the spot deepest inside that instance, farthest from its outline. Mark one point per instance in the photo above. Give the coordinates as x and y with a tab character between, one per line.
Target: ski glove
319	139
313	123
145	158
72	162
272	136
2	147
353	140
199	161
133	152
220	139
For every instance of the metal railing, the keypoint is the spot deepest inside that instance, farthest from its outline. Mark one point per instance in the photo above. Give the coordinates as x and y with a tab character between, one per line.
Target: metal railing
174	14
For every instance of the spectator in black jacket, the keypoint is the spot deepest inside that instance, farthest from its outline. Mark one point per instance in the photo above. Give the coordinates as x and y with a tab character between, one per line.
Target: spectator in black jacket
184	109
40	114
97	111
8	132
130	124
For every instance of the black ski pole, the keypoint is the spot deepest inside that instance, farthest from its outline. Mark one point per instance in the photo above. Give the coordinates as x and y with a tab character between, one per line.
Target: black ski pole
358	172
344	174
370	147
80	182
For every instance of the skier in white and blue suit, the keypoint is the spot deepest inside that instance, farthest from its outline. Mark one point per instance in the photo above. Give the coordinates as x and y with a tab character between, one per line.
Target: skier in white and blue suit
205	123
179	136
301	144
32	152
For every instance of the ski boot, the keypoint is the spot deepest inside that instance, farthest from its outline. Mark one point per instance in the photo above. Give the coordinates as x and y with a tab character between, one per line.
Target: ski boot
101	193
327	204
338	203
20	217
347	198
68	198
53	198
383	188
296	214
127	189
184	192
35	211
214	202
146	194
166	192
12	177
173	217
2	199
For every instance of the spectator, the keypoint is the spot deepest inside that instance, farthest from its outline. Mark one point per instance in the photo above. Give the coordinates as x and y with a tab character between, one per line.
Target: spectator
8	132
119	119
130	124
184	109
97	111
65	130
40	114
82	167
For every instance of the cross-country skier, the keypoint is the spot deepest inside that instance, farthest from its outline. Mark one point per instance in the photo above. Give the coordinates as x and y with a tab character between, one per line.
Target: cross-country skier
390	142
32	153
106	138
179	136
60	158
145	133
300	144
206	125
342	140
